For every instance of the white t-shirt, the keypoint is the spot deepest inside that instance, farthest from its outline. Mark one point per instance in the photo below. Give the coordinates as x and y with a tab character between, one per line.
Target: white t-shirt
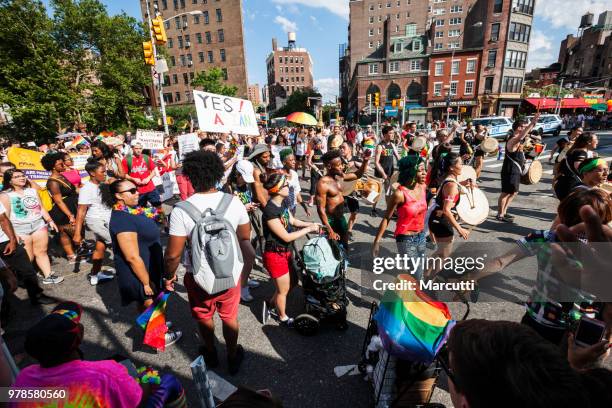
300	146
3	236
90	195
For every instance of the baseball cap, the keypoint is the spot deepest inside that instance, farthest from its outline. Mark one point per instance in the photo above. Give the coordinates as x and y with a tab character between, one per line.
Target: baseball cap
245	168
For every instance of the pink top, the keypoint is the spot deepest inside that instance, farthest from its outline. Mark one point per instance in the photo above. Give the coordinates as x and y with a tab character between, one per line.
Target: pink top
73	176
411	214
99	383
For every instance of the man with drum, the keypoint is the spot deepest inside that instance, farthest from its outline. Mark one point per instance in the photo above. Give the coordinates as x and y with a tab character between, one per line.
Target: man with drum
513	167
350	163
330	200
480	134
383	161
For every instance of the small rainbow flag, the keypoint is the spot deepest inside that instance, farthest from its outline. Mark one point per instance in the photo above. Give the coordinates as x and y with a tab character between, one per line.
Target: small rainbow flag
153	322
411	325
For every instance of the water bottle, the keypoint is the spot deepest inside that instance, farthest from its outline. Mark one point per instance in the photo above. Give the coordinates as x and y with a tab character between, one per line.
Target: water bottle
500	153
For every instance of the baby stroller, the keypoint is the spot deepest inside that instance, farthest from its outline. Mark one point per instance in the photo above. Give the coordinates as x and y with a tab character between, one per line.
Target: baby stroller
323	274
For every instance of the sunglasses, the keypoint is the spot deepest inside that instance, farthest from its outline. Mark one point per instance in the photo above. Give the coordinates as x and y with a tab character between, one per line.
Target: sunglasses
131	191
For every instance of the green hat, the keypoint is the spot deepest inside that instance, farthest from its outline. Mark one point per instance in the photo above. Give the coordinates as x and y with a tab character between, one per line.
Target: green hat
285	153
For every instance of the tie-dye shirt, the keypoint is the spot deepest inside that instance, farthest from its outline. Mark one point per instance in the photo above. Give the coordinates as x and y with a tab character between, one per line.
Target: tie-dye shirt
89	384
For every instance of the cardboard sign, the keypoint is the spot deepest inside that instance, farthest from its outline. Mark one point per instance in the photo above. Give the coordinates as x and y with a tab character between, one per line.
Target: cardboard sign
150	139
29	162
187	143
224	114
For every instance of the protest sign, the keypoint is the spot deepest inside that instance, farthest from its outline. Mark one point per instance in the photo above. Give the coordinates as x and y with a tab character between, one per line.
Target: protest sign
29	162
224	114
150	139
188	143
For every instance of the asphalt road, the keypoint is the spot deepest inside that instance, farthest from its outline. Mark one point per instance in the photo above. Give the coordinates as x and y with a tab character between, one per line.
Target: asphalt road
299	370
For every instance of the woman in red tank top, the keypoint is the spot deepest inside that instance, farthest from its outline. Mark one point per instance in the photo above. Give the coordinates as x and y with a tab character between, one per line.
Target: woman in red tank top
410	201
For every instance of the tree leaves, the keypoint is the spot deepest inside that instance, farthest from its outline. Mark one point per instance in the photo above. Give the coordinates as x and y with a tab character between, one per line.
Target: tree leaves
211	81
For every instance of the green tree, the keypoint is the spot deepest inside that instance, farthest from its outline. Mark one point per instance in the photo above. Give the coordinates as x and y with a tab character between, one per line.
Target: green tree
212	81
298	102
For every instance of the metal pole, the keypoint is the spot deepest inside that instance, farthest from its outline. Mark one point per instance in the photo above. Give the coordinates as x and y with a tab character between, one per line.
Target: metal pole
450	87
558	107
162	103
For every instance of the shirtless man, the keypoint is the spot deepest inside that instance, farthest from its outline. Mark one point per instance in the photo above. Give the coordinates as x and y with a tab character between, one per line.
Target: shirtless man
330	201
260	157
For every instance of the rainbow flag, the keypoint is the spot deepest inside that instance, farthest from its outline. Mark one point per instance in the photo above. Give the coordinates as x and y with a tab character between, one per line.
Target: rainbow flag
411	325
78	140
153	322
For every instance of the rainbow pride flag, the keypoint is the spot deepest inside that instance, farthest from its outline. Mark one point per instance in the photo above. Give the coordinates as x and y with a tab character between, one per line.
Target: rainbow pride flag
153	322
411	325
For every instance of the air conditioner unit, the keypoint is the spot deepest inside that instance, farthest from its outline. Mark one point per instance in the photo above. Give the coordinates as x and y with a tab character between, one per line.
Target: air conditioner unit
189	63
187	44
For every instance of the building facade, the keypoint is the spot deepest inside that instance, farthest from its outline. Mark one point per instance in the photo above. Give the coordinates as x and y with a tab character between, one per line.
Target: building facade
254	94
201	35
289	69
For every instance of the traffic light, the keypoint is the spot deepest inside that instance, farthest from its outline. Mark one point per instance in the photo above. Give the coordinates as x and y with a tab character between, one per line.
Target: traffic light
147	48
394	103
377	99
159	32
369	98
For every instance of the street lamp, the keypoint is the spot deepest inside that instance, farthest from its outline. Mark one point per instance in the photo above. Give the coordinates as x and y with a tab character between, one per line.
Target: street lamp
193	13
448	97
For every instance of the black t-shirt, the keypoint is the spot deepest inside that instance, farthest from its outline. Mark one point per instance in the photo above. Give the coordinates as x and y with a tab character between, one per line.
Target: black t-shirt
270	212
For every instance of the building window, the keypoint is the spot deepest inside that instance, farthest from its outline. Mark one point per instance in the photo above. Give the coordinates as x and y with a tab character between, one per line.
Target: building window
371	7
199	38
370	32
206	18
172	61
373	69
222	52
182	4
164	4
456	9
397	29
512	84
439	68
379	30
185	78
439	11
189	59
170	43
211	58
224	70
437	88
455	68
515	59
394	66
416	44
397	16
439	34
177	23
411	30
488	84
219	15
371	19
495	32
498	6
220	35
168	97
470	67
196	19
523	6
453	45
208	37
175	78
282	79
415	65
183	60
397	47
176	4
370	44
491	58
439	23
519	32
378	43
453	87
177	96
469	87
167	24
201	56
438	46
388	5
454	33
188	96
455	21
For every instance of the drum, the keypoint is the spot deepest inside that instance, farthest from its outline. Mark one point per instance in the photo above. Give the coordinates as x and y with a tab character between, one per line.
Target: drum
419	143
467	172
534	174
489	145
372	190
348	187
473	207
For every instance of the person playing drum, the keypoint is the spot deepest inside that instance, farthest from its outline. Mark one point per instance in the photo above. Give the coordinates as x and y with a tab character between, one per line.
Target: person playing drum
330	201
410	201
513	167
480	134
383	161
350	162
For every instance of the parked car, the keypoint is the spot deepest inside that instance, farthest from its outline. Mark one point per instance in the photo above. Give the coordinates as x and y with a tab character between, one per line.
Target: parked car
498	126
548	124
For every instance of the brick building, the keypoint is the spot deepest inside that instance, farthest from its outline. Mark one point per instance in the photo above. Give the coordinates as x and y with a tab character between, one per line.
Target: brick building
289	69
201	35
254	94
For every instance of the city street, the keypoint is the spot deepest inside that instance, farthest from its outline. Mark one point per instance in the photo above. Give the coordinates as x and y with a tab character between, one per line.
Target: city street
299	370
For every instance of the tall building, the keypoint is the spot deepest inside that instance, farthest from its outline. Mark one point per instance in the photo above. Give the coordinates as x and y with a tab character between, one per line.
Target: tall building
254	95
289	69
201	35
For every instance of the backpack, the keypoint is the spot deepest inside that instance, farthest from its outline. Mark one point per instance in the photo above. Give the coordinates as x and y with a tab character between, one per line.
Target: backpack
216	258
129	159
319	259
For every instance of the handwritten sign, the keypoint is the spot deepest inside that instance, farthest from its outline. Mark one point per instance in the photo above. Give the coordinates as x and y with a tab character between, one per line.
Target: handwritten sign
187	144
150	139
29	162
224	114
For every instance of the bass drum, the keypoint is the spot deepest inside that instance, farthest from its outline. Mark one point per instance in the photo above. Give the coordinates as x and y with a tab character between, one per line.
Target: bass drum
467	172
534	174
473	207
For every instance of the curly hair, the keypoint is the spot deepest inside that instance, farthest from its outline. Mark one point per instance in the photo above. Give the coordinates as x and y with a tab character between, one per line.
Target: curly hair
48	161
331	155
204	169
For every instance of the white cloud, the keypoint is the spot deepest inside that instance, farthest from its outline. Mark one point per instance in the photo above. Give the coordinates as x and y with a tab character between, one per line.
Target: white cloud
328	87
566	14
338	7
541	52
286	24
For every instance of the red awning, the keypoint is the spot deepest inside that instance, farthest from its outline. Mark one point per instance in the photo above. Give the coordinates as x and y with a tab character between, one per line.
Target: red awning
551	103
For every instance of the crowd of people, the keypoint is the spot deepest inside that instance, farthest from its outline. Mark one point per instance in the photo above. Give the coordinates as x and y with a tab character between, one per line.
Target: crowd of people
240	195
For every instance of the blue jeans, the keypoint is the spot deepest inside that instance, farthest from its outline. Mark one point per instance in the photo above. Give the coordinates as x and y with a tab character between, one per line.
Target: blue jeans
414	246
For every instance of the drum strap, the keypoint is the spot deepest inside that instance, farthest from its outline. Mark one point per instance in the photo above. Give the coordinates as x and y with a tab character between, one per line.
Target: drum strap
523	170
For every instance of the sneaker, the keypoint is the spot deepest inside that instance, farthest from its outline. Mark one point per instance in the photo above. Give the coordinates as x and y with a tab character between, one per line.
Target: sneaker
288	322
265	313
253	283
75	260
173	337
52	279
245	295
93	279
106	275
234	363
210	357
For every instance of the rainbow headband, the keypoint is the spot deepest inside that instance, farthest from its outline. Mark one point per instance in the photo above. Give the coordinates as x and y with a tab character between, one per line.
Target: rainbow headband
591	165
70	314
276	188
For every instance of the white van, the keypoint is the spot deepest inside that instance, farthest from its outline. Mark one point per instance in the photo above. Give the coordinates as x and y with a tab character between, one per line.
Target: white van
548	124
498	125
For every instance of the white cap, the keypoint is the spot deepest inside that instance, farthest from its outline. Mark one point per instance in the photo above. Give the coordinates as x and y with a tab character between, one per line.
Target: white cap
245	168
136	142
31	144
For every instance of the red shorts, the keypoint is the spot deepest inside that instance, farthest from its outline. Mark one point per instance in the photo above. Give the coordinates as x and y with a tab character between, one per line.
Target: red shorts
203	305
276	263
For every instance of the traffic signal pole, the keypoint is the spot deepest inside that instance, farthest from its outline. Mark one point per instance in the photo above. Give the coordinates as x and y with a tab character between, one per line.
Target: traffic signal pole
162	103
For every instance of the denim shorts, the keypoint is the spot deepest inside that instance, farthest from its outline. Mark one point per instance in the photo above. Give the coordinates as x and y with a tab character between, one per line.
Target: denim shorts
28	228
414	246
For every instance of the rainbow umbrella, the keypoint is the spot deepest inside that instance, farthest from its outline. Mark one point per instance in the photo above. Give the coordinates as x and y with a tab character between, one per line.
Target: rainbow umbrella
302	118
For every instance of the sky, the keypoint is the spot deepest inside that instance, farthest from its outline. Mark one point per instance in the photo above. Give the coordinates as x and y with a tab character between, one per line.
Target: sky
321	25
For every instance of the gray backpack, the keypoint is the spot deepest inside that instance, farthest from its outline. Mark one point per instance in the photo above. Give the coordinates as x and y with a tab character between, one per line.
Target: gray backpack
216	257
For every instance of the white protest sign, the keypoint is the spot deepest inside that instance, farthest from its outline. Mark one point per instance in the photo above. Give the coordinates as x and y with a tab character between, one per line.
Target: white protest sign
187	143
150	139
224	114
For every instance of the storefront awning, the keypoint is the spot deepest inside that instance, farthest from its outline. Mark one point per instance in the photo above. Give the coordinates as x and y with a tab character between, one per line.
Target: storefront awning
551	103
